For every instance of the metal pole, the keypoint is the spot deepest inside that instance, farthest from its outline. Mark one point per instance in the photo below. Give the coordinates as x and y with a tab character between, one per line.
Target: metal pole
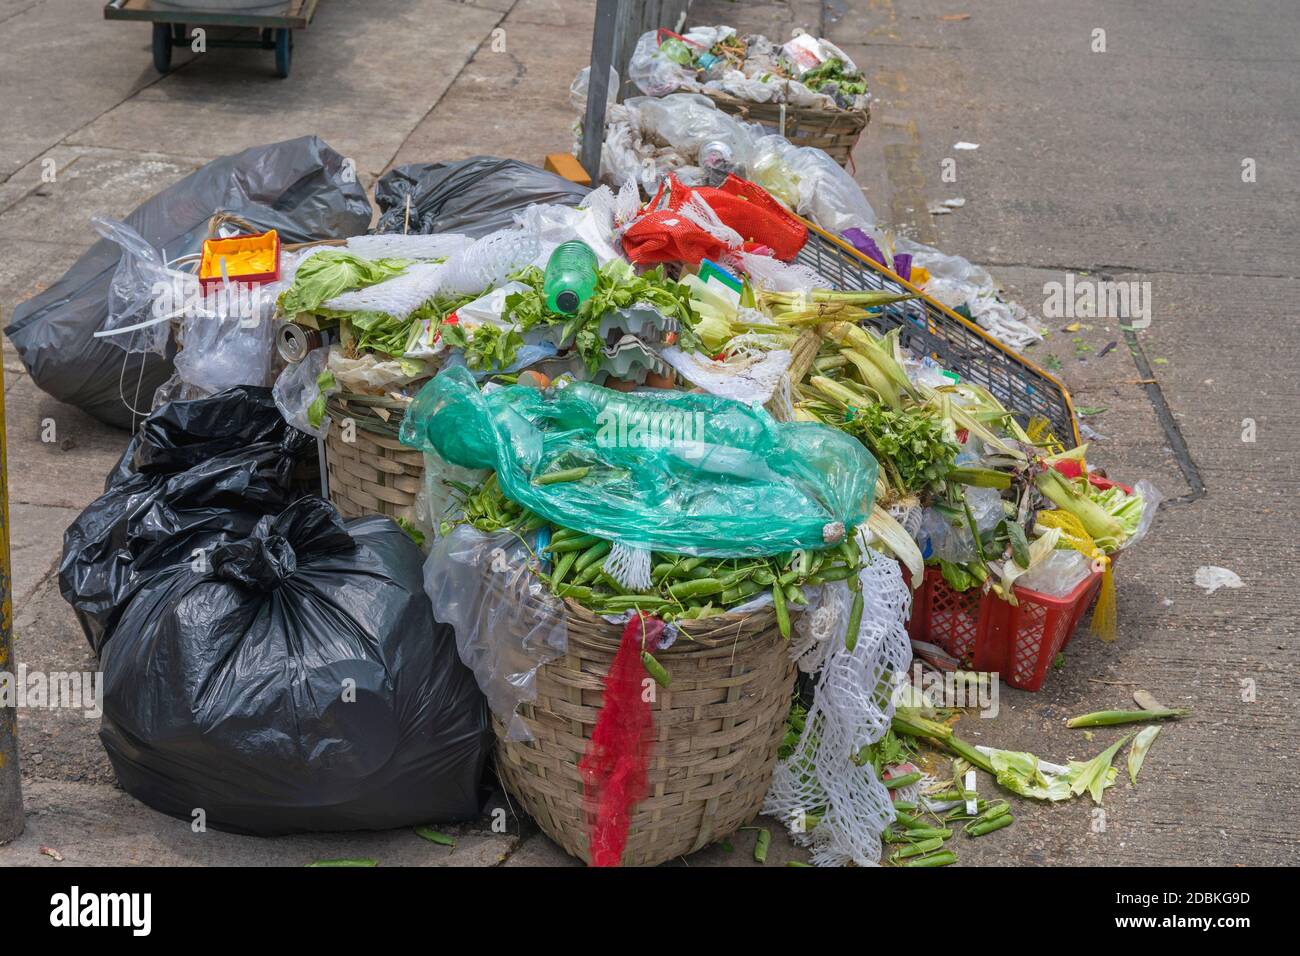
11	793
598	91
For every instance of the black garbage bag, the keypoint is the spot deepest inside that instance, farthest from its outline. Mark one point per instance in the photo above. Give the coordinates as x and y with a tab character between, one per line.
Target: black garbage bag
300	187
186	433
474	196
198	474
300	684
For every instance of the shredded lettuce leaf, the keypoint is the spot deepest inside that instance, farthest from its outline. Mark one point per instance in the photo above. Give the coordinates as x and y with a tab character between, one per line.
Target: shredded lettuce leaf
332	272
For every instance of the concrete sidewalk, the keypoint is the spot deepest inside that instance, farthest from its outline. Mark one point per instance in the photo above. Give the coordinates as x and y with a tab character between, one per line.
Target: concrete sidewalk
1124	164
386	82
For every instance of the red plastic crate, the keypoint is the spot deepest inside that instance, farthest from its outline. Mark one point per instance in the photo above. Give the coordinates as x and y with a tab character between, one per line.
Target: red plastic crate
1019	642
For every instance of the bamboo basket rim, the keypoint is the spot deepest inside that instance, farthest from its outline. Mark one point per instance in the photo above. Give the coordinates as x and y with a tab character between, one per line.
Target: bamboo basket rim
706	634
341	403
836	111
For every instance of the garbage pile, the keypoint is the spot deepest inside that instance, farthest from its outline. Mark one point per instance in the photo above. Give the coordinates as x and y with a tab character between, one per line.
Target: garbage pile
660	449
687	135
806	71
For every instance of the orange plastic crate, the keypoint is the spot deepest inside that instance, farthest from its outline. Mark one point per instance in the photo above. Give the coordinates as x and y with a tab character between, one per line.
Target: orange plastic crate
259	252
1019	642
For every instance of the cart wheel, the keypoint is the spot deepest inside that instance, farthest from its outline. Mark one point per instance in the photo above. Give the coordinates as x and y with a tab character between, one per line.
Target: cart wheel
180	35
162	47
283	51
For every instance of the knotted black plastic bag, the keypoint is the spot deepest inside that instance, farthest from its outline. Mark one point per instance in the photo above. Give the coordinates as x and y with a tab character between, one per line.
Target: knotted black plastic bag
300	683
474	196
198	474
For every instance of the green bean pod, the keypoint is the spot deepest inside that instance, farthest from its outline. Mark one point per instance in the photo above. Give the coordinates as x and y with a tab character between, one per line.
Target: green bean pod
919	849
782	612
741	591
576	593
946	858
981	827
926	833
999	809
907	779
855	621
565	474
698	587
580	543
562	567
655	669
592	554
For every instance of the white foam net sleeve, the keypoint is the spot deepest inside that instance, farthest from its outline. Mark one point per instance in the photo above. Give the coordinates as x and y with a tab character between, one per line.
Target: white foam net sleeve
852	708
392	245
489	261
399	296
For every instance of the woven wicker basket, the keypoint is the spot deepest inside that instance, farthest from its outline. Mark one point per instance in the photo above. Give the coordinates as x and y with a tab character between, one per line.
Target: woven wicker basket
375	473
836	131
717	730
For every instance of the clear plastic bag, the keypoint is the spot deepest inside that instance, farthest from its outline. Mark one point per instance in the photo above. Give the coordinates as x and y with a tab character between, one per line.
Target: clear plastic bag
739	85
578	92
654	73
945	539
957	282
443	501
825	192
220	351
371	374
554	224
298	395
507	622
1057	574
141	278
687	121
669	471
1151	498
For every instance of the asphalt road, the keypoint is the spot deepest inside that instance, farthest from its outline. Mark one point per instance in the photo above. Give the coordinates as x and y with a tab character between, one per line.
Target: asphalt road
1132	164
1125	164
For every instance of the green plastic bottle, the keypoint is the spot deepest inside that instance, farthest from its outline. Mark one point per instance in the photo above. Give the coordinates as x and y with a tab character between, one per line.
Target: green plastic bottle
570	278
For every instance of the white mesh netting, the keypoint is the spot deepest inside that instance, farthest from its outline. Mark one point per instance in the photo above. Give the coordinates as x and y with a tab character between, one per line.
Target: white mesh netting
908	513
852	708
778	276
415	246
399	296
489	261
630	567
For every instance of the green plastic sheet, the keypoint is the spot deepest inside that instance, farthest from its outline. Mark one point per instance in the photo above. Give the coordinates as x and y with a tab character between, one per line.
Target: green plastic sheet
667	471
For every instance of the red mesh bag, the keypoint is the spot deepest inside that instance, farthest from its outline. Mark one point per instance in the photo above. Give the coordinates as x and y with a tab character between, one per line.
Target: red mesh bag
665	235
760	219
614	766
